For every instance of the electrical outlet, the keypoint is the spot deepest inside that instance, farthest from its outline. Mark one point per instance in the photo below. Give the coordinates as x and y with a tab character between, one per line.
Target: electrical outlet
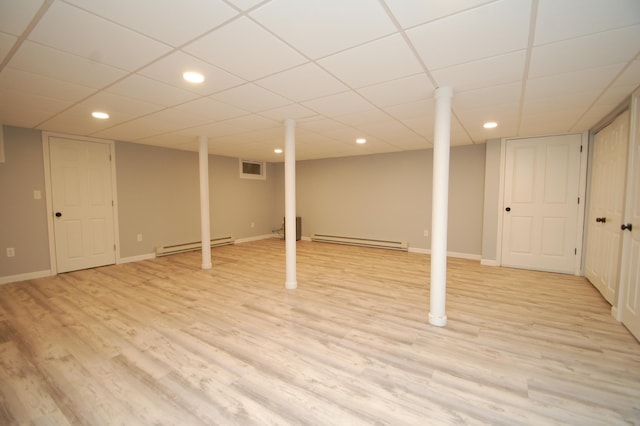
37	195
11	252
139	237
426	232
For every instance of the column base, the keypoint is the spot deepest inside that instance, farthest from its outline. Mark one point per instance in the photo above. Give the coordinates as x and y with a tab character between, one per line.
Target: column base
291	285
437	320
206	266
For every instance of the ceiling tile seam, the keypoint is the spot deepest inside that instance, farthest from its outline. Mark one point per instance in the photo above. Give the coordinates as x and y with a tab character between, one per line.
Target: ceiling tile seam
533	17
25	34
603	91
424	67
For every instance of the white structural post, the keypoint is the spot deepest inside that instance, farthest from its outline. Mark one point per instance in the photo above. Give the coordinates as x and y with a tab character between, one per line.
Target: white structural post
290	202
205	228
440	208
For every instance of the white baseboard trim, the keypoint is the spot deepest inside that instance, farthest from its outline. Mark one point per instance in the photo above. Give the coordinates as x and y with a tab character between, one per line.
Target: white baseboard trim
25	277
256	238
419	250
489	262
136	258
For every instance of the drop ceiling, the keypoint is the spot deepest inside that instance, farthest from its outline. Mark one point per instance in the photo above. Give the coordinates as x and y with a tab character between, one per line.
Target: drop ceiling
343	69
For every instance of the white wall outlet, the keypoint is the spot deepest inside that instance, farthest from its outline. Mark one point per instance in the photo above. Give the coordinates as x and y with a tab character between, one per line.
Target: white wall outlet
11	252
37	195
426	232
139	237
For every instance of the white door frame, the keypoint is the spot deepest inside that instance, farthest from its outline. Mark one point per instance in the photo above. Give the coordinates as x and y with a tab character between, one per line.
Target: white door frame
581	193
48	192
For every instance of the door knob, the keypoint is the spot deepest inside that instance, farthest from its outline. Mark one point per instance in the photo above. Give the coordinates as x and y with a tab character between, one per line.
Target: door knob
508	209
628	226
58	214
601	219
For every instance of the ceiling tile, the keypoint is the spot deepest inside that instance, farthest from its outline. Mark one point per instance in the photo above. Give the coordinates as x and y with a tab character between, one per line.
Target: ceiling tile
170	69
381	60
254	52
6	43
210	109
254	122
170	120
507	94
365	117
567	83
413	12
422	110
474	34
64	66
39	85
149	90
245	4
114	104
400	91
293	111
493	71
72	30
15	15
27	110
611	47
595	16
78	120
213	131
171	22
128	132
340	104
321	28
305	82
251	98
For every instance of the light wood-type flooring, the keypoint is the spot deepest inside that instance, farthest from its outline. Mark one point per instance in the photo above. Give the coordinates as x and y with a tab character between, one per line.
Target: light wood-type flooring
164	342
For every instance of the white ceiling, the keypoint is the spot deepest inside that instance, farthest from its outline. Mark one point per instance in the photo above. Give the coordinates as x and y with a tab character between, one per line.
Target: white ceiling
342	69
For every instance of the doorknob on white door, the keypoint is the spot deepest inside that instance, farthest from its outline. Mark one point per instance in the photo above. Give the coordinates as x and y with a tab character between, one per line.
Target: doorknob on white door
628	226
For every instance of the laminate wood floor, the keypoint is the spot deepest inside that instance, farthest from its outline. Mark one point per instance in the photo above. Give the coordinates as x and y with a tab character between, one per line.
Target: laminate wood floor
164	342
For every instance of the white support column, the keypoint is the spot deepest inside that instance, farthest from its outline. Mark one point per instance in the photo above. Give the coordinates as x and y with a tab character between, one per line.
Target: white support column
440	206
290	202
205	228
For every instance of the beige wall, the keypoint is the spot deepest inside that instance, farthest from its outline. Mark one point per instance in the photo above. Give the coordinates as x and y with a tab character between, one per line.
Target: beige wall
388	196
23	220
491	196
158	197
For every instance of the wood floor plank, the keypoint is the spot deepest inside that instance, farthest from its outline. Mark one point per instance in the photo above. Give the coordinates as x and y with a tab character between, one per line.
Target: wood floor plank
164	342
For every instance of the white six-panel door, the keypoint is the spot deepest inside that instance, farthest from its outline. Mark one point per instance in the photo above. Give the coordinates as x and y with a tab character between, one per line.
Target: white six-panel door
82	202
540	209
606	204
629	301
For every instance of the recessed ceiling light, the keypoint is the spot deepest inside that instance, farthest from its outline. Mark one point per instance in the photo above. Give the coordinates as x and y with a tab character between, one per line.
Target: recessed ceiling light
277	151
361	140
99	114
193	77
490	125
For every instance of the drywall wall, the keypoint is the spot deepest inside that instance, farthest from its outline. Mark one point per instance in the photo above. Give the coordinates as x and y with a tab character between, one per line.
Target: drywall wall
388	196
158	198
23	219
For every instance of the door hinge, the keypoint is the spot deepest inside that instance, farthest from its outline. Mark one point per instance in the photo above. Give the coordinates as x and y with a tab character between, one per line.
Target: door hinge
578	200
580	148
575	251
114	247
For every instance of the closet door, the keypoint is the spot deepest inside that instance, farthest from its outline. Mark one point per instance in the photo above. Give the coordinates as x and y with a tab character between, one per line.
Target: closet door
606	204
630	272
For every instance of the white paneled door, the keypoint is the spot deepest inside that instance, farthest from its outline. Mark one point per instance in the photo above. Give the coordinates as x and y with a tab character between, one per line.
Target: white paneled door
630	272
540	210
606	205
82	201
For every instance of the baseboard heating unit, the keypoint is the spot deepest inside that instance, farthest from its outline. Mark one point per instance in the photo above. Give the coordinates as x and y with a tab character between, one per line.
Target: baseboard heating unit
393	245
181	248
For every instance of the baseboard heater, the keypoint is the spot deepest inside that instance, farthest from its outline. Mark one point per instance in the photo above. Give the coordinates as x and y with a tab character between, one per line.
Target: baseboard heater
393	245
181	248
